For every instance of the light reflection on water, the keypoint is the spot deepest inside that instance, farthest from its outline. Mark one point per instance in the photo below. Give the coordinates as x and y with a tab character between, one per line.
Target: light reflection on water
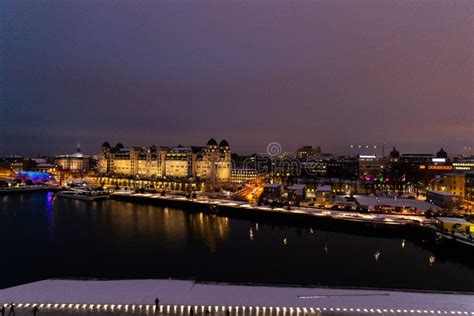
50	213
48	236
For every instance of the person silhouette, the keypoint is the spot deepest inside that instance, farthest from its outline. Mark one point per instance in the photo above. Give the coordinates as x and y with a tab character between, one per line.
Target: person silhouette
157	304
191	312
2	311
35	310
12	309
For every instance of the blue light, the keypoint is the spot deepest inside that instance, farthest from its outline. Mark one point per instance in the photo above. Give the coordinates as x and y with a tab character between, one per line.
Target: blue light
33	176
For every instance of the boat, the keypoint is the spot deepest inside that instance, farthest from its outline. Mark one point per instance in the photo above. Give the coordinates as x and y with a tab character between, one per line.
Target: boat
87	195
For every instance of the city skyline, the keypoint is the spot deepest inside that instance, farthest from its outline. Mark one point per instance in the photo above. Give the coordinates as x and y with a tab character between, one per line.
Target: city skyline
399	73
351	150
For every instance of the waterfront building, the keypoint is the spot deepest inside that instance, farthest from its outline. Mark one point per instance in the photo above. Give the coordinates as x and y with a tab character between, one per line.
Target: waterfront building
211	163
324	194
452	224
76	162
296	192
272	191
34	164
443	199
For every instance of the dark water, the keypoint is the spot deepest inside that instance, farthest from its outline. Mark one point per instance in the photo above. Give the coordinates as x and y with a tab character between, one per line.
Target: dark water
43	236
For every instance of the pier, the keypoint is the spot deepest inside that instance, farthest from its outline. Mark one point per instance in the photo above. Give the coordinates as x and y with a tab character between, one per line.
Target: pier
238	207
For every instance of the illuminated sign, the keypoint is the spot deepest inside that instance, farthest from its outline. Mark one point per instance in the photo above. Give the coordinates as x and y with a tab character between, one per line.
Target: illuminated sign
440	167
438	160
436	167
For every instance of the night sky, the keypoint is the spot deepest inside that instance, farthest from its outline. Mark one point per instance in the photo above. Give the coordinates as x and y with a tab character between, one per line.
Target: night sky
329	73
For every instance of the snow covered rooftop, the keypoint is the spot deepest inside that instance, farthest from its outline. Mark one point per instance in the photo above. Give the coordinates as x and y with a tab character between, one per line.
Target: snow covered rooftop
323	188
297	187
453	220
395	202
272	185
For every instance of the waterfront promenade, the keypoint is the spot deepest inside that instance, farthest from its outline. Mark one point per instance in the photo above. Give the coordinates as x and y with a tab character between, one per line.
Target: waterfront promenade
177	297
386	219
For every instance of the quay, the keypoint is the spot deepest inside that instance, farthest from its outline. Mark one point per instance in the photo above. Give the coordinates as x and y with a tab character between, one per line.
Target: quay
179	297
230	207
412	224
30	189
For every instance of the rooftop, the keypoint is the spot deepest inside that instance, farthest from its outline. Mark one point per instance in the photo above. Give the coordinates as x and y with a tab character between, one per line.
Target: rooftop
123	295
395	202
453	220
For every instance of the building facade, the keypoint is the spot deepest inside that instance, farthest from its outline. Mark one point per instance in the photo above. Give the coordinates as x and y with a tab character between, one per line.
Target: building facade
211	163
308	152
453	183
76	162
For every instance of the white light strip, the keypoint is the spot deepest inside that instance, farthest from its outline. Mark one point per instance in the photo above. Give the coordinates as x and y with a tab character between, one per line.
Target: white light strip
185	309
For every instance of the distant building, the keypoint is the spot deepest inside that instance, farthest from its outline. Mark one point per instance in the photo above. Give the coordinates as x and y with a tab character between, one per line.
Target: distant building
296	192
33	164
463	165
453	183
416	159
211	162
394	155
323	194
444	199
370	166
452	224
272	191
442	154
240	176
308	152
76	162
469	187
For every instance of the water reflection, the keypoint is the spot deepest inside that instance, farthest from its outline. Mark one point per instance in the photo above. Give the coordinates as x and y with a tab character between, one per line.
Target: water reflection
50	213
124	240
212	228
376	255
178	228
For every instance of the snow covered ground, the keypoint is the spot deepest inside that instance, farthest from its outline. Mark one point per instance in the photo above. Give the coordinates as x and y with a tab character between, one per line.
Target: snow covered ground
334	214
177	297
372	201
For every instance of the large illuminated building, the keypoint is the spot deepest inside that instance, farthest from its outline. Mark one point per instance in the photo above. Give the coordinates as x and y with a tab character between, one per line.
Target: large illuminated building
453	183
210	163
77	162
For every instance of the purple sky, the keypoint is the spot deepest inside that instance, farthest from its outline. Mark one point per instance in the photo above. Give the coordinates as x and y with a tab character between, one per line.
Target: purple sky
332	73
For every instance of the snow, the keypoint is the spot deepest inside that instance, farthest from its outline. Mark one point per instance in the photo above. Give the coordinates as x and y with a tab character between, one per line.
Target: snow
179	292
452	220
297	187
323	188
400	202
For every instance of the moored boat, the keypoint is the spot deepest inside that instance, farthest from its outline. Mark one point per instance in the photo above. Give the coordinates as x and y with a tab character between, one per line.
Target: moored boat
88	195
